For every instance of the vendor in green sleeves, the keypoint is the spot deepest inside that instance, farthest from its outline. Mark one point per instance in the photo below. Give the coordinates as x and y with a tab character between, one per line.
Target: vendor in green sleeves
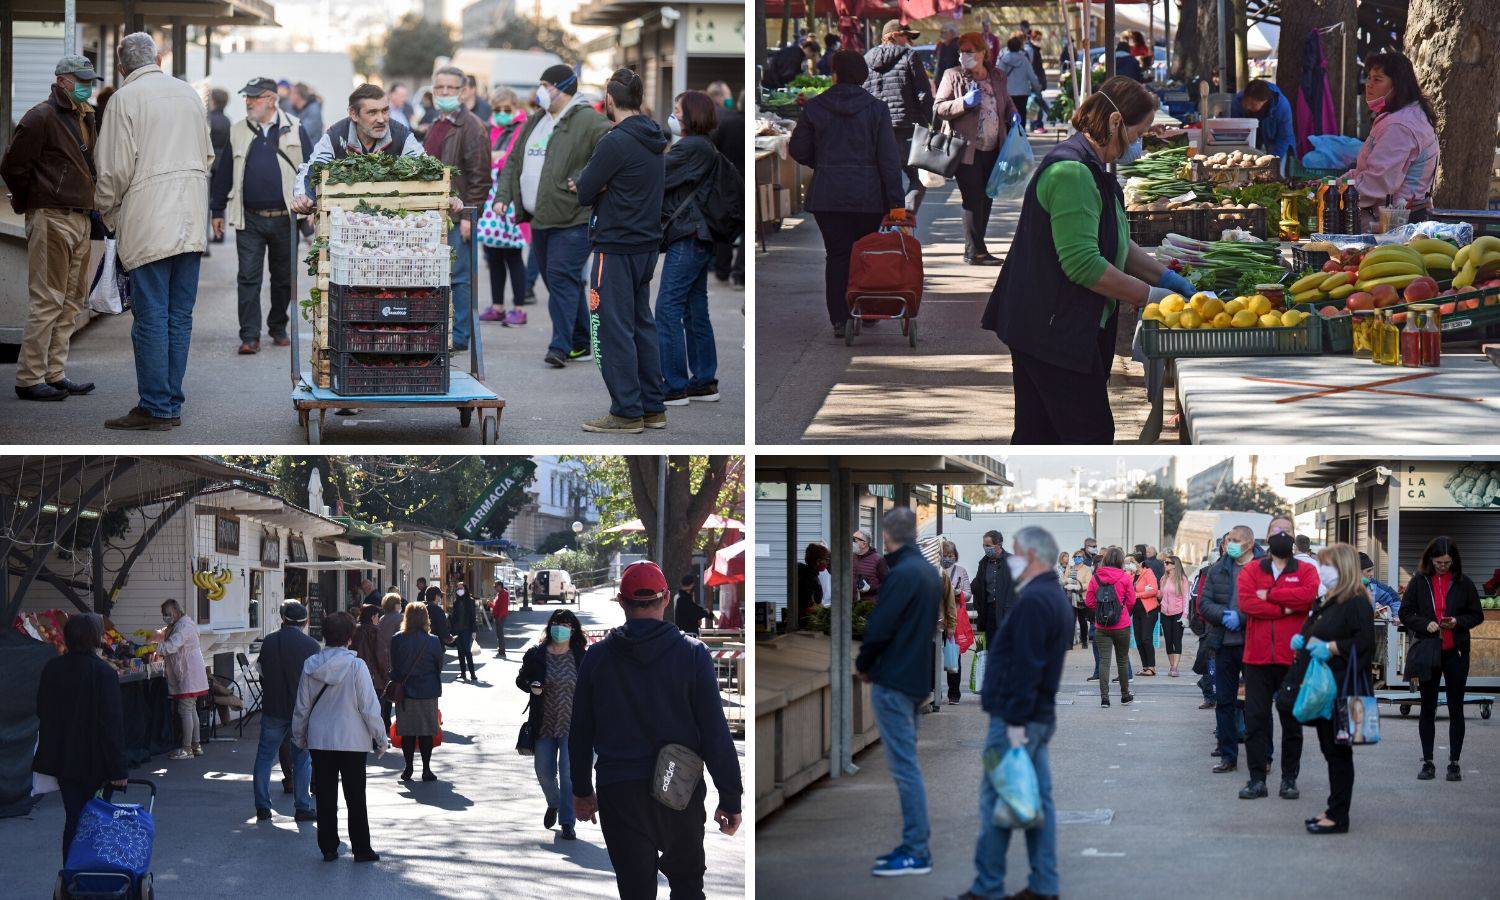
1055	305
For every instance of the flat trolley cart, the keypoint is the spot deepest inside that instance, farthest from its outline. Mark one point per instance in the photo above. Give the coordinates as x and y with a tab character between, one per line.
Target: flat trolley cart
1405	701
333	378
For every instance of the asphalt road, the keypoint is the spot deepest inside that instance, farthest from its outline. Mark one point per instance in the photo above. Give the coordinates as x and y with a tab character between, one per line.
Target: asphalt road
476	832
1174	829
243	400
954	387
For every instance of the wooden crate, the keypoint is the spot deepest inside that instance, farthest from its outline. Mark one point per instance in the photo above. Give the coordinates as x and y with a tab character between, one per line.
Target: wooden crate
1484	647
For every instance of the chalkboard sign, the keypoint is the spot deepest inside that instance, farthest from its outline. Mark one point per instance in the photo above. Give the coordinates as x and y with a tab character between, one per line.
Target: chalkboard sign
227	534
270	549
296	549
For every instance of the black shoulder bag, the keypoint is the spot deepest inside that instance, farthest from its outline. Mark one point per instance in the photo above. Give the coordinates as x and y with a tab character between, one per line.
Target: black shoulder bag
1286	695
395	691
526	738
938	149
1424	656
679	769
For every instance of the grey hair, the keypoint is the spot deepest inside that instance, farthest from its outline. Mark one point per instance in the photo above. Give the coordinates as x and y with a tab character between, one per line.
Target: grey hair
452	70
137	49
1038	540
900	525
1243	532
502	95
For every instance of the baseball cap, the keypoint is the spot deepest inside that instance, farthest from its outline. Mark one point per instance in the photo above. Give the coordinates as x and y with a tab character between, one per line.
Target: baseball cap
77	66
293	611
896	26
642	581
257	86
1365	562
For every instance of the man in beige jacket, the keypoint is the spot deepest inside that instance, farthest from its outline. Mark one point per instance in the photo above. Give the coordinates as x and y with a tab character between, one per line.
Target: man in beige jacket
154	157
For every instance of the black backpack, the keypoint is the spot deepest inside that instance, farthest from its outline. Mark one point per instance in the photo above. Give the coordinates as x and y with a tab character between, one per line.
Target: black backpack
1107	606
724	205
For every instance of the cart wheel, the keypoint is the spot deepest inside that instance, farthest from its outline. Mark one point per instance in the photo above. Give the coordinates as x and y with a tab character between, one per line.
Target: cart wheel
857	324
465	416
911	332
1406	709
484	428
1484	711
148	887
60	890
314	431
851	328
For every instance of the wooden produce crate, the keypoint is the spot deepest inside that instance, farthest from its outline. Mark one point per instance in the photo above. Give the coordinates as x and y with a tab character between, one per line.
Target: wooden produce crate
1484	646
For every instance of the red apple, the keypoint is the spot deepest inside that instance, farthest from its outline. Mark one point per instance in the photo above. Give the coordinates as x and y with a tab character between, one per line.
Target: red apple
1423	288
1329	312
1384	295
1332	266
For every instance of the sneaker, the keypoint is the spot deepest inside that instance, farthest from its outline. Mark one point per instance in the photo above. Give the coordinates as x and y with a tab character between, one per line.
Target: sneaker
1104	702
903	865
1429	771
493	314
577	355
706	393
1453	773
887	857
676	398
72	387
305	815
613	424
40	392
514	318
139	420
1255	790
554	360
1127	698
197	750
262	814
1207	704
655	420
568	834
180	753
1092	678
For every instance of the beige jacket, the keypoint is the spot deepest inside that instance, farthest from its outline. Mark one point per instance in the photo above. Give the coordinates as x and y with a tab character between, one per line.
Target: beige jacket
289	158
153	160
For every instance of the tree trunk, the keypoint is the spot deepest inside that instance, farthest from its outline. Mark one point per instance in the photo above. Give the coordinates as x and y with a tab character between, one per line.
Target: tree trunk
1452	46
687	509
1297	19
1185	43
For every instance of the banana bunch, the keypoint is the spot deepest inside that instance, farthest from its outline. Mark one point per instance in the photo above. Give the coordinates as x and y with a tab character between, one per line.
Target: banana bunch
1394	264
214	582
1437	255
1479	259
1322	286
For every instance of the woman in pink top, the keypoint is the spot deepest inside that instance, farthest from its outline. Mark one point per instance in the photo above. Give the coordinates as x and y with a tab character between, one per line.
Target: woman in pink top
1399	159
1112	639
1173	591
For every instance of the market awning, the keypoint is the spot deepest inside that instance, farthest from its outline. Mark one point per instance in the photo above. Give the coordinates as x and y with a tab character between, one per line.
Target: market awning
338	565
728	567
146	479
188	12
273	510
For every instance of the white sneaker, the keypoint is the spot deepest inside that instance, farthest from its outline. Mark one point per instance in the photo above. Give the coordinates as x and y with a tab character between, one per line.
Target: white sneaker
180	753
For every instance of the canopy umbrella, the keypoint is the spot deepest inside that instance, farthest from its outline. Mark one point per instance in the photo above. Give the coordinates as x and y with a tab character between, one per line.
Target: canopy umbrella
714	522
728	567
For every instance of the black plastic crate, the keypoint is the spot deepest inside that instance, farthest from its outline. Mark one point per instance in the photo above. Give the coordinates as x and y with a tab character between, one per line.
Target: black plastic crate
390	337
1307	260
1149	227
1210	224
351	377
414	305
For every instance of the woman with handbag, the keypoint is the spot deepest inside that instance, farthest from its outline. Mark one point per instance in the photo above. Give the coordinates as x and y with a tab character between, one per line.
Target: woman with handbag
1439	607
1343	625
956	624
367	648
972	99
845	136
416	684
549	672
504	241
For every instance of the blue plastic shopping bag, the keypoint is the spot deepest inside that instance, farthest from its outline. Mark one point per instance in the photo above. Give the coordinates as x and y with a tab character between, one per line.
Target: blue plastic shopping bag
112	837
1012	171
1013	777
950	655
1315	698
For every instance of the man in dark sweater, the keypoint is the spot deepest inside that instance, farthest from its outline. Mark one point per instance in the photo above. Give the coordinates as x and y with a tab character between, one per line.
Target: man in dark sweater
623	183
282	654
896	656
994	590
643	686
687	611
1020	694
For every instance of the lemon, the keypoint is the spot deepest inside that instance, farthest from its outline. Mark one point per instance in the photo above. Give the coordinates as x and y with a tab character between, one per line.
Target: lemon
1212	307
1270	320
1152	311
1244	319
1260	304
1293	317
1222	320
1191	319
1172	319
1235	305
1173	303
1198	298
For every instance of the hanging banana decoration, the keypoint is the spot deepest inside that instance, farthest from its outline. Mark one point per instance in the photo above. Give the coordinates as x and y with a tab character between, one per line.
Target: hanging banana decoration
214	582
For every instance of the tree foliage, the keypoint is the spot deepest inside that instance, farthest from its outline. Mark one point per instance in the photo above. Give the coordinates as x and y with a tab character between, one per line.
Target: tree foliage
413	44
526	33
1244	496
1173	502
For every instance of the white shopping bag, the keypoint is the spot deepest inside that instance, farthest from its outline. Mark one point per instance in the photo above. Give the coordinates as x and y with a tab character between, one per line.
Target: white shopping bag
930	180
105	294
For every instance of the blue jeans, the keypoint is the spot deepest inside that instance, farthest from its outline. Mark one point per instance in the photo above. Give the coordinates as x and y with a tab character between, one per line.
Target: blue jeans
682	310
272	732
164	293
561	254
462	332
532	270
994	841
556	779
896	714
1229	713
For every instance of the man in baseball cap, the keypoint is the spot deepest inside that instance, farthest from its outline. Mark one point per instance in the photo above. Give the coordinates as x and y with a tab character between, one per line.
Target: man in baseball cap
628	704
282	654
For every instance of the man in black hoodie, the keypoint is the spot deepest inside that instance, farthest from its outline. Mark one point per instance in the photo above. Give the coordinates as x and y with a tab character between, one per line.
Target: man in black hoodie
897	77
624	182
642	687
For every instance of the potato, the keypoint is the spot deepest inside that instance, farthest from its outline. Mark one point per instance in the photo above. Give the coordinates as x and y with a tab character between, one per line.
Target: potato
1266	160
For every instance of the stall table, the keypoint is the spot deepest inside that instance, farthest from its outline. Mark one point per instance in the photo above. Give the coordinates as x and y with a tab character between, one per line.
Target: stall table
149	723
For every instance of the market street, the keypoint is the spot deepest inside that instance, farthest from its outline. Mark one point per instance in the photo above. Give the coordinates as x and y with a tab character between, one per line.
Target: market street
1141	815
476	832
954	387
234	399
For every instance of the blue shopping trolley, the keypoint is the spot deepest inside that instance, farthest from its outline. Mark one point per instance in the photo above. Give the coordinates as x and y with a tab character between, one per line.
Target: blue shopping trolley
111	852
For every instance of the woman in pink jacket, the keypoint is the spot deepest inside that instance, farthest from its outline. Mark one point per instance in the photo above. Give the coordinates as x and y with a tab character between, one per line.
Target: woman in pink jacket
1173	591
1399	159
187	676
1112	638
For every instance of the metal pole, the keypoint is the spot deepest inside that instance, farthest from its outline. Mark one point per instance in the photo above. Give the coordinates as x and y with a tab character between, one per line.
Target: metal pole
792	600
661	513
1109	39
1166	31
70	27
7	82
208	50
1223	24
296	311
476	350
1085	26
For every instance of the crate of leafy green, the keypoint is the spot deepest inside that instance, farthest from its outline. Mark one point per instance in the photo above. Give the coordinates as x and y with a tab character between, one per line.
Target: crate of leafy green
812	85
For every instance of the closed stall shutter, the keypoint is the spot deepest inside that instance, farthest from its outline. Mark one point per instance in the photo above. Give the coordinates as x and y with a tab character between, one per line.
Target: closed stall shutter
770	531
34	61
1477	534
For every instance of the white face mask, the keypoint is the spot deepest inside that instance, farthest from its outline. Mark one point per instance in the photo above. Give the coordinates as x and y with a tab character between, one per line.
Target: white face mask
968	60
543	98
675	124
1328	575
1017	565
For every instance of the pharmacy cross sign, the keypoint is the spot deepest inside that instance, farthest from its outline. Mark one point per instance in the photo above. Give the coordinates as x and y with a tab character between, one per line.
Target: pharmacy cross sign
506	482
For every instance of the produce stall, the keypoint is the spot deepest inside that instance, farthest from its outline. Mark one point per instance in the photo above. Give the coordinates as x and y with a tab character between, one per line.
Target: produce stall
381	308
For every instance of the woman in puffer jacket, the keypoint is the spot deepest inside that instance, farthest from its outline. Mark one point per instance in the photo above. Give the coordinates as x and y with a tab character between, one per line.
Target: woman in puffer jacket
1112	639
1020	77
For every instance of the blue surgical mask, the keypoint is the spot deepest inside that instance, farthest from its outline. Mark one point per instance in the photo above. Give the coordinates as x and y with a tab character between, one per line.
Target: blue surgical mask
992	552
1077	560
504	118
447	104
947	561
1131	153
1366	579
1234	551
560	633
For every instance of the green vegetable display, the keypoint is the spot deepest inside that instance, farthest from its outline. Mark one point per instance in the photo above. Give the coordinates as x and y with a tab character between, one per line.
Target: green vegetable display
364	167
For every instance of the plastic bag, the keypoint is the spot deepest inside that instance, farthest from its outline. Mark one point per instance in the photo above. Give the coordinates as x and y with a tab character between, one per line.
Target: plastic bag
107	293
930	180
1013	777
976	669
1012	171
950	655
1332	151
1315	698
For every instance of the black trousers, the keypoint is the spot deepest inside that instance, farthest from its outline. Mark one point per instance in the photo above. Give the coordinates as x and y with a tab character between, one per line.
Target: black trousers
329	768
953	692
465	651
1455	671
1340	771
915	191
503	261
1171	633
75	796
385	713
977	204
262	237
1261	683
1055	405
840	231
1144	626
1083	615
625	343
643	836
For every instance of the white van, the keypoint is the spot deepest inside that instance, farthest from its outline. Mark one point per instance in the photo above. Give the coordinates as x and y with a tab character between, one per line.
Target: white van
551	584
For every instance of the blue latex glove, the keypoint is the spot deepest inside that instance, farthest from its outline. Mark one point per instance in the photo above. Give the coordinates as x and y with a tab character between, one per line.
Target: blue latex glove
1232	620
1174	282
1297	642
971	99
1319	650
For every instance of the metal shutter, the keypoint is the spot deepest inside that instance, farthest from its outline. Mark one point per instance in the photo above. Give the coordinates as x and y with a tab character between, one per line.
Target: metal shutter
770	531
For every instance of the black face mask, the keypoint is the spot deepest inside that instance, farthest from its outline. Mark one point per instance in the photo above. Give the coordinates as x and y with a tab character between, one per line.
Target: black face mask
1280	545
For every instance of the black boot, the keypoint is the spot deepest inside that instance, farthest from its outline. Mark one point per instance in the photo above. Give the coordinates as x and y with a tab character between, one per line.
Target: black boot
1255	790
1289	789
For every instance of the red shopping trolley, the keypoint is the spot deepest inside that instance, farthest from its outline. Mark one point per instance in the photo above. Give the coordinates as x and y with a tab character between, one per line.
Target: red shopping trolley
885	279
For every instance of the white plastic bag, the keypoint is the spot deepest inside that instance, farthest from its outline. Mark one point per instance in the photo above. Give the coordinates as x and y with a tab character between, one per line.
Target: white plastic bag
930	180
105	295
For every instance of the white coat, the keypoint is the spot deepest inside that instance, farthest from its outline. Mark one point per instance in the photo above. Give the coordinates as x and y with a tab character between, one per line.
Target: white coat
182	656
347	717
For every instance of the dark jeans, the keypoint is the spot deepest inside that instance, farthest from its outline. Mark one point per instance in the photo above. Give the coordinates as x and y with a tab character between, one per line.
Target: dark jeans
1171	633
683	329
643	836
1055	405
840	231
461	286
502	261
627	350
1144	626
465	651
1227	664
262	237
971	179
1340	771
1261	683
1455	672
329	768
533	268
915	192
164	292
561	254
75	796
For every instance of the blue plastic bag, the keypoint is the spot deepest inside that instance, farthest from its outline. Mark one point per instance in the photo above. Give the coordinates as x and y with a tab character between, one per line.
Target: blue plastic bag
1315	697
112	837
1012	171
1013	777
950	655
1332	151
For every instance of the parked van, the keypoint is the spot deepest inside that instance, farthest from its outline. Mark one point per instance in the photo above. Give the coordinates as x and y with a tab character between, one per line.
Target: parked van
551	584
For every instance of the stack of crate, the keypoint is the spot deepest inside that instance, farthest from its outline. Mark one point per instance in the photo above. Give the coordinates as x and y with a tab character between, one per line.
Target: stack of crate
383	323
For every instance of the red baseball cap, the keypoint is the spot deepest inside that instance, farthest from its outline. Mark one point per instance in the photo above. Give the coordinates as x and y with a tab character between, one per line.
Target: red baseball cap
642	581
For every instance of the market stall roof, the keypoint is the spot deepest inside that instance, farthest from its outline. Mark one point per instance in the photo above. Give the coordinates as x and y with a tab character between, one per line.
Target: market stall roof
1322	471
188	12
358	528
335	565
714	522
884	469
274	510
132	480
467	550
399	533
619	12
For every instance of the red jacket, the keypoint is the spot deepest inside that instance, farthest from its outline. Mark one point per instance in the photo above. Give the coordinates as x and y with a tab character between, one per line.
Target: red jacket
1270	623
500	606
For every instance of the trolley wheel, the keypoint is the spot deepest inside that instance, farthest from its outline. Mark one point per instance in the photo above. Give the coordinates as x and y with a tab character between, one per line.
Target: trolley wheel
1484	711
465	416
60	889
484	429
1406	709
851	328
314	430
911	332
148	887
857	325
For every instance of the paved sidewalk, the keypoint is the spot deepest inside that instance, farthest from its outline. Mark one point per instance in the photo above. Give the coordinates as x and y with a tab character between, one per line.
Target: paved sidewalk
234	399
1177	830
477	832
954	387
